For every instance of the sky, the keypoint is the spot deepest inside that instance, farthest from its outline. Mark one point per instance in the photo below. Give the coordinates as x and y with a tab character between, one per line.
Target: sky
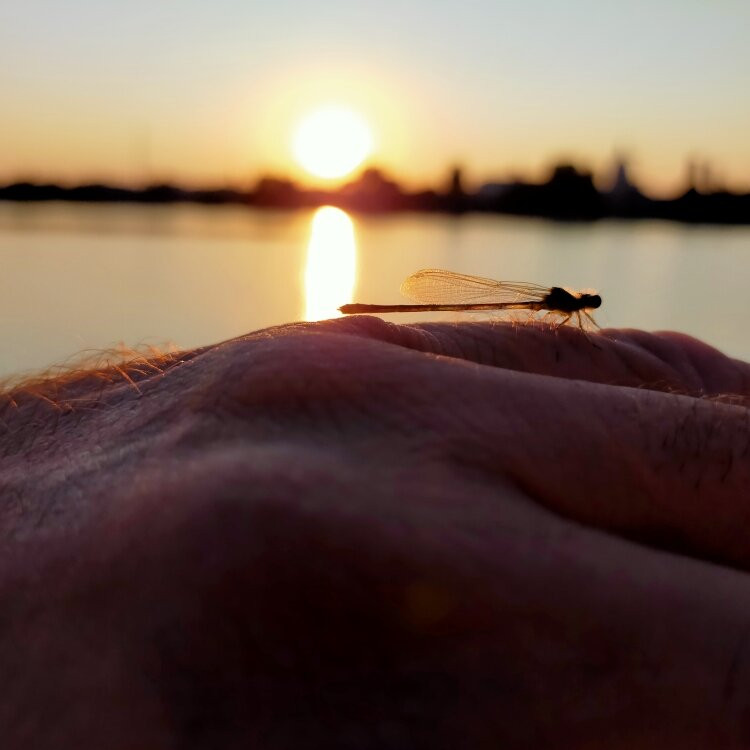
210	92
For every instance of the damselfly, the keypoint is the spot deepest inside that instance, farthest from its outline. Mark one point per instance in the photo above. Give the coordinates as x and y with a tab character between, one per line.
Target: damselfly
437	290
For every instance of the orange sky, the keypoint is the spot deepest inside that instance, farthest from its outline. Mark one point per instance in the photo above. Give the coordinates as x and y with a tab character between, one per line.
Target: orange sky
211	93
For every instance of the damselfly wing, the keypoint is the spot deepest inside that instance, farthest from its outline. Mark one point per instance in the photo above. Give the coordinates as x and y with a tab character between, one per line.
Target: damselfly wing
433	286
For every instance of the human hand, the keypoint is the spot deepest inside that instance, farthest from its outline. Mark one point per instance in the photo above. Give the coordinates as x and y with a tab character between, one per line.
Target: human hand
352	534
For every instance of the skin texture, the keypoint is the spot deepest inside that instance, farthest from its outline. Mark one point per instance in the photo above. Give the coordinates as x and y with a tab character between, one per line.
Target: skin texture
358	535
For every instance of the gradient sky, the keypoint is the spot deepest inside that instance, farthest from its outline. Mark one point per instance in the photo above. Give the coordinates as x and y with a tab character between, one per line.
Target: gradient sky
209	91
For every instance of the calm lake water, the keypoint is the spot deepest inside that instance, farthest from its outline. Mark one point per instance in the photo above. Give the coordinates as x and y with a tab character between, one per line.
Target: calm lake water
78	277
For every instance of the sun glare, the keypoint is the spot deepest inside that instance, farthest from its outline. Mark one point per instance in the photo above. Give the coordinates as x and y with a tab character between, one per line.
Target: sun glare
331	142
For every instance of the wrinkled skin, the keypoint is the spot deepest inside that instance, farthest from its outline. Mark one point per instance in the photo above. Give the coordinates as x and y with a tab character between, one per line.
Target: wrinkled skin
358	535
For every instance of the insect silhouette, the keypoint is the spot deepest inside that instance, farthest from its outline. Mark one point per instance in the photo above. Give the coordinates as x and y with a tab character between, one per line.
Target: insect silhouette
436	290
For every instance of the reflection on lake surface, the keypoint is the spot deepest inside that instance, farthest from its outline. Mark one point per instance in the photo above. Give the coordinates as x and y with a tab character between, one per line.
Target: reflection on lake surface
79	276
331	264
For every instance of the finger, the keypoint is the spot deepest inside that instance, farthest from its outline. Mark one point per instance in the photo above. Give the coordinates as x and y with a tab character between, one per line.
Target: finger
665	361
666	469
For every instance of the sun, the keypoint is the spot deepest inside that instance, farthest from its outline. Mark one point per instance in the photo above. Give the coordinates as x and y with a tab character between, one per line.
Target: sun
332	141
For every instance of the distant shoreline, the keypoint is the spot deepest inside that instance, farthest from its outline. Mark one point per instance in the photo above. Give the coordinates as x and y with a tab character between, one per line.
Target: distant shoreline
569	195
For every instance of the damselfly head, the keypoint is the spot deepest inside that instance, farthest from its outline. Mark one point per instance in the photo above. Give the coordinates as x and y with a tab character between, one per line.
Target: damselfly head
590	300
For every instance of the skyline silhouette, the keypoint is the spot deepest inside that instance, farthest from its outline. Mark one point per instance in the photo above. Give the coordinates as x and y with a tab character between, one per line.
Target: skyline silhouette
570	193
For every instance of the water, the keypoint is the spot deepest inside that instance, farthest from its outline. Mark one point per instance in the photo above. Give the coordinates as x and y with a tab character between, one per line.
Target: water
78	277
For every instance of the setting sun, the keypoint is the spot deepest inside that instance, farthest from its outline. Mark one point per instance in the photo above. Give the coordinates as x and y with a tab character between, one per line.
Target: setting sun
331	142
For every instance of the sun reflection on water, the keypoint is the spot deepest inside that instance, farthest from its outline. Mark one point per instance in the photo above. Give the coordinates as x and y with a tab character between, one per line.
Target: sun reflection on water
331	268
